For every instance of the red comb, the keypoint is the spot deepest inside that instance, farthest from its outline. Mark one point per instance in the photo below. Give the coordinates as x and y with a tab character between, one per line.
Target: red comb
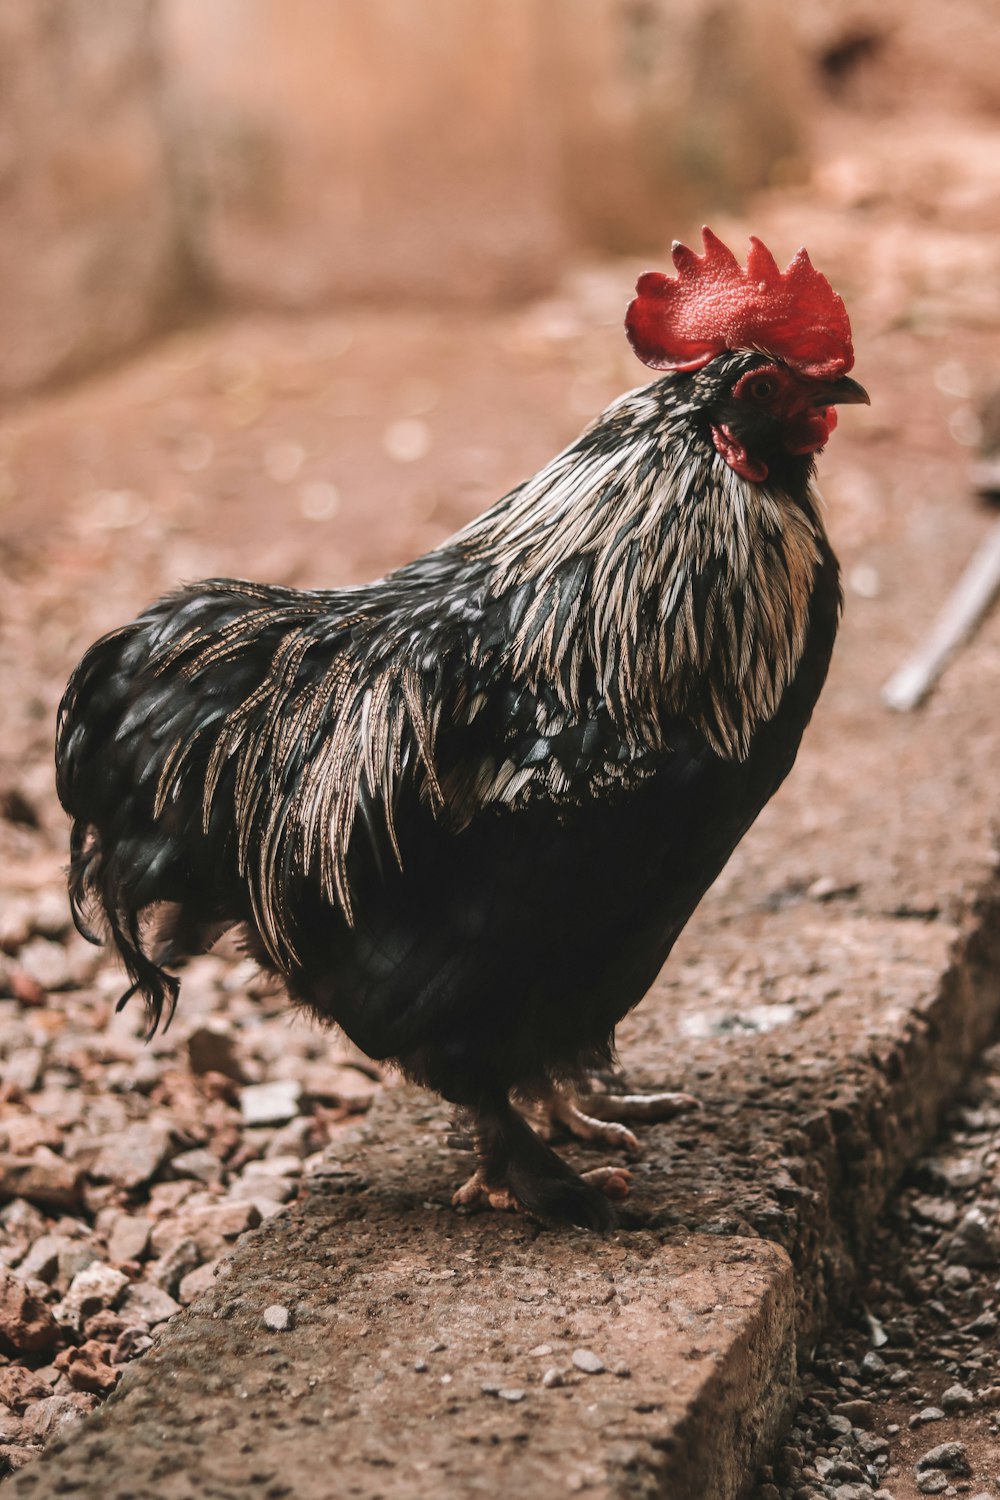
712	304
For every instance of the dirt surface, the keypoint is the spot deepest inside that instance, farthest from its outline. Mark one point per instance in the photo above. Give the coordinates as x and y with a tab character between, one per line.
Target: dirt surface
816	1002
905	1397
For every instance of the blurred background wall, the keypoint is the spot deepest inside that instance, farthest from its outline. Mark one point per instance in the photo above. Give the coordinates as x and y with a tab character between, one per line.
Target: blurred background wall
162	155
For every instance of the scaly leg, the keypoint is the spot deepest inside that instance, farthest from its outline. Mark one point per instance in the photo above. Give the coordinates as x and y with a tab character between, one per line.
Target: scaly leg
518	1171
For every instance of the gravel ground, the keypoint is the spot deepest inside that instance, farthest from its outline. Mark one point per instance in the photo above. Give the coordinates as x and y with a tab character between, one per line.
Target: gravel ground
904	1399
126	1170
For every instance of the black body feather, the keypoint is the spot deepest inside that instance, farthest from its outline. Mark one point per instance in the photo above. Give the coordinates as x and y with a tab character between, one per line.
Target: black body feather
465	811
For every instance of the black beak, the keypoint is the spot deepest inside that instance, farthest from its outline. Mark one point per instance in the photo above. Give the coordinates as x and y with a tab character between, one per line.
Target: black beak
842	392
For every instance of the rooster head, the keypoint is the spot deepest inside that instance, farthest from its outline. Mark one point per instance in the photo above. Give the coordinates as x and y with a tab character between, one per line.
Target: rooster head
792	326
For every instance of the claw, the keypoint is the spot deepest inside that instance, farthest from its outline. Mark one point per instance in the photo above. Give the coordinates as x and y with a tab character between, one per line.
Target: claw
477	1193
615	1182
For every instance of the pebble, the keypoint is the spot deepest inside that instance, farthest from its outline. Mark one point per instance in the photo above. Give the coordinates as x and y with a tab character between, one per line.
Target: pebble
149	1304
957	1398
200	1164
270	1103
928	1414
98	1285
129	1238
976	1241
941	1212
279	1319
873	1366
196	1283
212	1049
133	1156
179	1261
89	1368
50	1182
45	1418
950	1456
26	1324
933	1482
552	1379
512	1393
587	1361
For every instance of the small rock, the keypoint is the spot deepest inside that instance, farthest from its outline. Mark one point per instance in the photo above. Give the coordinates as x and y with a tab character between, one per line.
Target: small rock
838	1426
19	1387
957	1398
179	1261
47	1181
26	1324
933	1482
279	1319
99	1285
43	1420
859	1413
200	1164
10	1426
957	1278
552	1379
941	1212
873	1366
587	1361
951	1457
134	1155
106	1326
212	1049
273	1166
985	1323
131	1342
347	1087
270	1103
166	1197
14	1456
296	1136
262	1189
129	1238
929	1414
976	1241
511	1393
47	963
212	1227
89	1368
74	1256
22	1071
196	1283
42	1261
149	1304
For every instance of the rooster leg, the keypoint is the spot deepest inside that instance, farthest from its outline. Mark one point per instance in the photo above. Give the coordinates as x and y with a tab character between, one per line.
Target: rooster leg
600	1118
518	1171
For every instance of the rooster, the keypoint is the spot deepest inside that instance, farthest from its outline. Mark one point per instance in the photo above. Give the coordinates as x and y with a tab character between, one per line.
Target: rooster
465	811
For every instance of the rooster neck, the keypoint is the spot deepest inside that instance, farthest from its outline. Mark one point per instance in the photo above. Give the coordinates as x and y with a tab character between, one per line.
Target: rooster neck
640	572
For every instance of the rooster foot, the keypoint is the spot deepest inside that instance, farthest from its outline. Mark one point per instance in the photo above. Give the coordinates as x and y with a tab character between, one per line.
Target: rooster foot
614	1182
600	1117
478	1192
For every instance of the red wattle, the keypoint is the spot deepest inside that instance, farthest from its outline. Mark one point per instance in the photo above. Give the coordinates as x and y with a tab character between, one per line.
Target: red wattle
736	456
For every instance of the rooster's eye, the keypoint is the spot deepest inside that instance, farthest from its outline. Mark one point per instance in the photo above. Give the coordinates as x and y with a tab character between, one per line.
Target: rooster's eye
764	388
